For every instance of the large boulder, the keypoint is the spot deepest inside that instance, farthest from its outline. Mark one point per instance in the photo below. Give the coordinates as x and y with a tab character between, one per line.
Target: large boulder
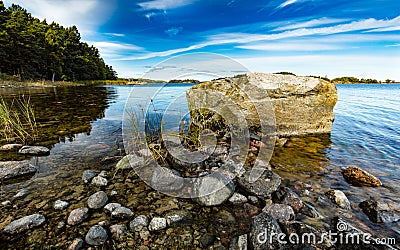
301	105
14	169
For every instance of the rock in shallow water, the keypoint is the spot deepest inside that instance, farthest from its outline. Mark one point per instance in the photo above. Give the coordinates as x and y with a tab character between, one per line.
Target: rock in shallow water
14	169
110	207
381	212
339	198
157	224
99	181
237	198
262	187
264	226
213	190
139	223
280	212
88	175
97	200
34	150
359	177
96	236
60	205
76	244
122	213
118	230
24	224
286	196
77	216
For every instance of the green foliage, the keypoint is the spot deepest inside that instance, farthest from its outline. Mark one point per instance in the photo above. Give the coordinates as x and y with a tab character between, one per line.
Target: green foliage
33	49
286	73
184	81
17	120
350	79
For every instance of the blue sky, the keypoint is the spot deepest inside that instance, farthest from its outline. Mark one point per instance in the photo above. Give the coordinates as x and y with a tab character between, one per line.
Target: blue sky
358	38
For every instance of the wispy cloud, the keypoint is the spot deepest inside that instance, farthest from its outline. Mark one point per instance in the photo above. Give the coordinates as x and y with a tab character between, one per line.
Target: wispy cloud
311	23
164	4
115	49
286	3
115	34
173	31
245	39
300	46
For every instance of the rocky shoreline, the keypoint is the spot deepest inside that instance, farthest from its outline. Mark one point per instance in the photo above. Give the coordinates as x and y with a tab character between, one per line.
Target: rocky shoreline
143	218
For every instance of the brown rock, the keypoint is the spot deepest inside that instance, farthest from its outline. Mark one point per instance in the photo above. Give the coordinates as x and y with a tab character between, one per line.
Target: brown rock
359	177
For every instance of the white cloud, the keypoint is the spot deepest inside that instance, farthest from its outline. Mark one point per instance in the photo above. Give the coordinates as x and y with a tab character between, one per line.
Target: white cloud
164	4
84	14
286	3
311	23
299	46
115	49
394	28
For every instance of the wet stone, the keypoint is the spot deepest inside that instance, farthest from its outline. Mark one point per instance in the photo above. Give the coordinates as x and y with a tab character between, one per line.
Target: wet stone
14	169
11	147
182	217
60	205
338	198
97	200
359	177
139	223
237	198
99	181
213	190
88	175
381	211
34	150
110	207
77	216
22	193
76	244
24	224
286	196
166	180
207	240
280	212
96	236
264	225
266	183
157	224
122	213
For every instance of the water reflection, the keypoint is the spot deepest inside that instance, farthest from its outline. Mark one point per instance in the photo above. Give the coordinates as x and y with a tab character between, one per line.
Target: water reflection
61	112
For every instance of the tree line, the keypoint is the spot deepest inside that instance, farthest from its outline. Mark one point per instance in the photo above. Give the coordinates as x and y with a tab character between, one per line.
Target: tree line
31	49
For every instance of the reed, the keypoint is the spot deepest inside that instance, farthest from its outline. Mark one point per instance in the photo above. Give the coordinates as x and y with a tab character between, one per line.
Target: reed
17	120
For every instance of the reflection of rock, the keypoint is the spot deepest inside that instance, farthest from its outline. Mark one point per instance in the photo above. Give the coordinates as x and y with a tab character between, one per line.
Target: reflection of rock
14	169
359	177
380	211
339	198
213	190
34	150
302	105
25	223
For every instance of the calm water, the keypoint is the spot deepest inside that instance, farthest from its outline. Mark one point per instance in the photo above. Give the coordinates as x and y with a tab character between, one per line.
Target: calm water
83	125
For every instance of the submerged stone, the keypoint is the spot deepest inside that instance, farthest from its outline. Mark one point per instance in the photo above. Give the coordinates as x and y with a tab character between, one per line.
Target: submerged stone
381	211
338	198
25	223
359	177
96	236
14	169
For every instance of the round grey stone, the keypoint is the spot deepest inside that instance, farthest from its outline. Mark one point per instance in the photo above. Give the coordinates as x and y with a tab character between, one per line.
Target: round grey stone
97	200
96	236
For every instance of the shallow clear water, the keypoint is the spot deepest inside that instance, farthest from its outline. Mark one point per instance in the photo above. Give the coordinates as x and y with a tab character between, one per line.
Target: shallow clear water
83	125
